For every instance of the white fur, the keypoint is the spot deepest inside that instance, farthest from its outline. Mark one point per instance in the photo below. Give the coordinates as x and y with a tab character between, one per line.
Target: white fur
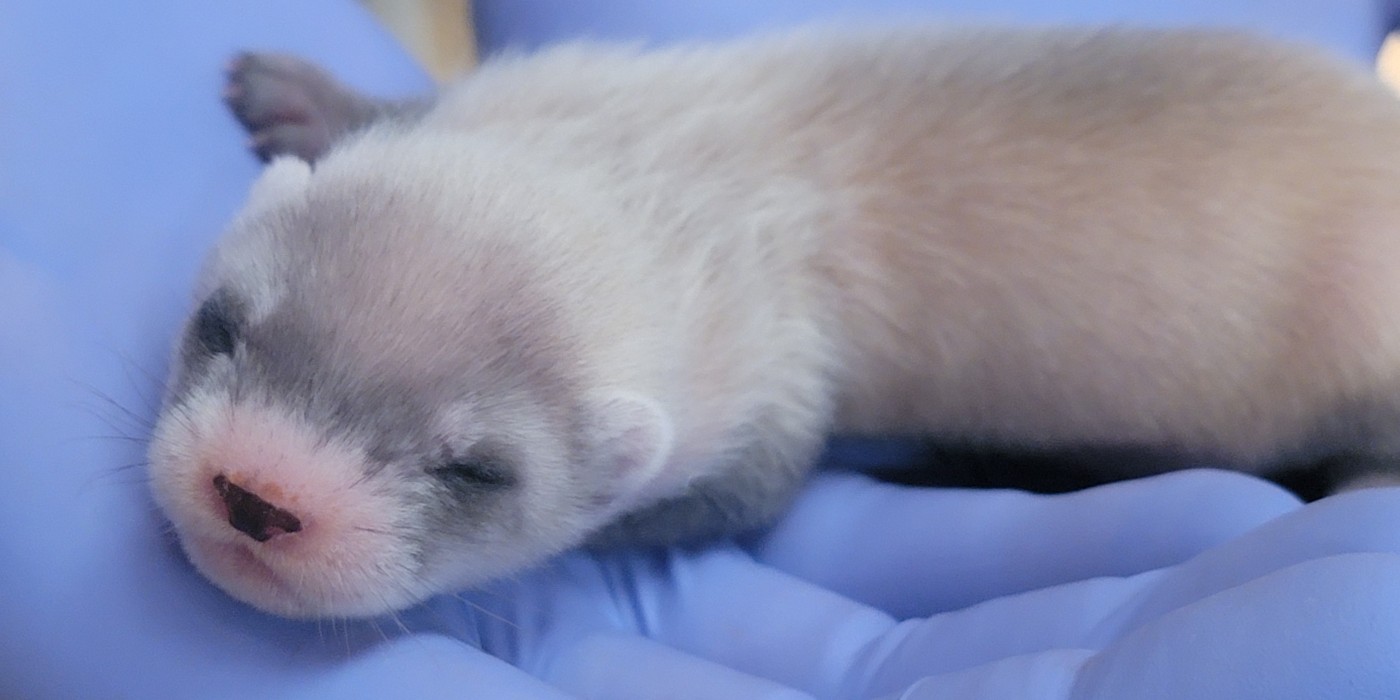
284	179
346	560
241	257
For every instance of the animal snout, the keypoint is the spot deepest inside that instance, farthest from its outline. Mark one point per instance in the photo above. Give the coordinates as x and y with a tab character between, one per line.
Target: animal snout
251	515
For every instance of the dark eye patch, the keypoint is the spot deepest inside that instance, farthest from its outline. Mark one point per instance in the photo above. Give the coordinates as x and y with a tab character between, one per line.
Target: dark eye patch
216	325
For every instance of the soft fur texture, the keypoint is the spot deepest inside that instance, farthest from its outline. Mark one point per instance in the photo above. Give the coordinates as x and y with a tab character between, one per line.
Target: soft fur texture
648	284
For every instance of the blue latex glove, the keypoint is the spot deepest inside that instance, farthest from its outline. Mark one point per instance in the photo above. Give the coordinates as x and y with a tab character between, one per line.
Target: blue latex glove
119	167
1301	607
1351	27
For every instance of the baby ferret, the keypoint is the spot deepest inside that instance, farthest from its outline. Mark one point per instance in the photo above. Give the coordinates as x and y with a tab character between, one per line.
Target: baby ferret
608	295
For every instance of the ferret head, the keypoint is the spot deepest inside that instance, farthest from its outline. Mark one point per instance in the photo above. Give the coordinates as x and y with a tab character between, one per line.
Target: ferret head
376	401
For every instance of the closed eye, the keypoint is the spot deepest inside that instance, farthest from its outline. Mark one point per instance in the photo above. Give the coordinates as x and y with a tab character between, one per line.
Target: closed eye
475	473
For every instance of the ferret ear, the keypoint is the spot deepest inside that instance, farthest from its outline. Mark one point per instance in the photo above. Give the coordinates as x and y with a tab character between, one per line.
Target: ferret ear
284	178
631	439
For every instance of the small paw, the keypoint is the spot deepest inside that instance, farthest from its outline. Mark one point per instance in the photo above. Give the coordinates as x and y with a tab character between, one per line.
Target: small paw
287	105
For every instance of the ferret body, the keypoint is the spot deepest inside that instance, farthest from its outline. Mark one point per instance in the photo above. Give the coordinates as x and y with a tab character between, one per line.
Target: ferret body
620	296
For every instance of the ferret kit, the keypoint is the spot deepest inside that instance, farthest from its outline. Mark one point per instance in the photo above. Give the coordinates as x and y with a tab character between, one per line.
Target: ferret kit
612	296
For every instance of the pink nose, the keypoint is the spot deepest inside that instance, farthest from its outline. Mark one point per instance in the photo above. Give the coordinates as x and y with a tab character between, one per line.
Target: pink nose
251	515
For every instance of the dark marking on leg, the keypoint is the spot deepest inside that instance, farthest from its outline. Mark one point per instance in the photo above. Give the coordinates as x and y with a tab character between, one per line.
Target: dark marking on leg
293	107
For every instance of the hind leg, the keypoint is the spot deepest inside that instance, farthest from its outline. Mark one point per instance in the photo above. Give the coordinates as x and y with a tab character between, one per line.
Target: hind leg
290	106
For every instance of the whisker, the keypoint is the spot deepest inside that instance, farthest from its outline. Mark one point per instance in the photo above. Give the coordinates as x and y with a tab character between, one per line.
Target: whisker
122	438
152	379
136	479
132	473
112	424
374	623
462	599
514	578
361	479
399	621
126	467
393	614
139	419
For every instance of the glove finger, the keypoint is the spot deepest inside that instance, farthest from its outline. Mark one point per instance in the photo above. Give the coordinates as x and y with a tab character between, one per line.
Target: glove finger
425	666
716	604
1306	631
1358	521
868	540
1048	675
1326	628
1069	616
722	606
621	667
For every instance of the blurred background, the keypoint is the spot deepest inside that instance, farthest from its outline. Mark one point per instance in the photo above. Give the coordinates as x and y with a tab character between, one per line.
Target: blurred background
442	35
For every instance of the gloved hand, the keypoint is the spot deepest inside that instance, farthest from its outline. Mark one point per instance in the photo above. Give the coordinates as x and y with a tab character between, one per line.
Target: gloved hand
120	166
861	592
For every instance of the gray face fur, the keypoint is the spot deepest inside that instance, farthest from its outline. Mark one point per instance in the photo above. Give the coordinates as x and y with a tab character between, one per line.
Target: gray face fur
418	421
400	384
